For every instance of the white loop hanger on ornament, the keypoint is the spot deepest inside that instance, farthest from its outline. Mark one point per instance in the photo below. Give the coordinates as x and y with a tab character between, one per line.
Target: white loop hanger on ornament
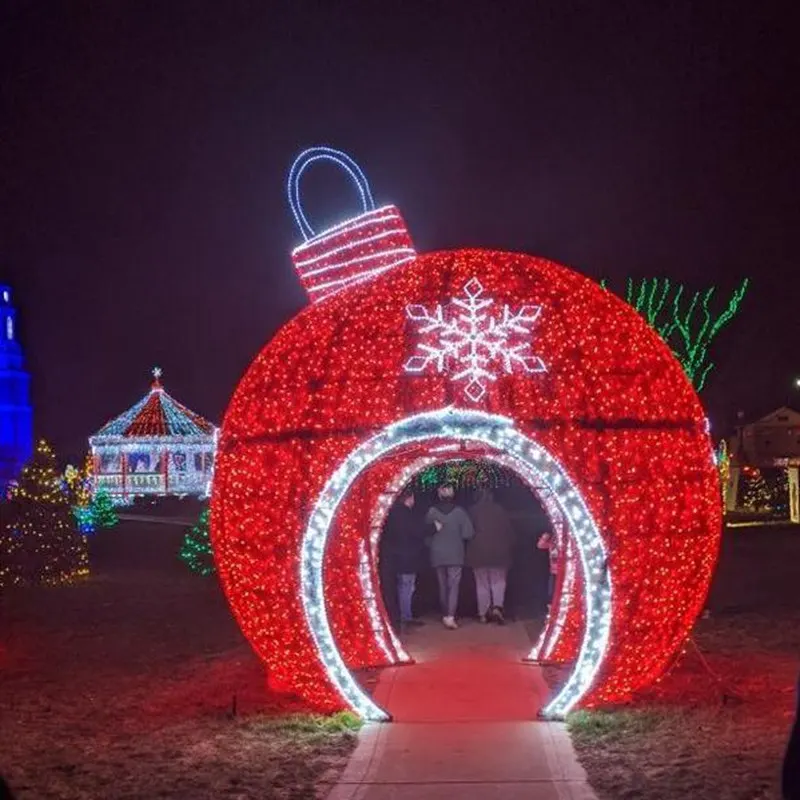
305	160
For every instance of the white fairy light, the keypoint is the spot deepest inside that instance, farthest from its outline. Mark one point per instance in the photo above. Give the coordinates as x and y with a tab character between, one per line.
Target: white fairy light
403	254
342	160
370	599
472	339
309	262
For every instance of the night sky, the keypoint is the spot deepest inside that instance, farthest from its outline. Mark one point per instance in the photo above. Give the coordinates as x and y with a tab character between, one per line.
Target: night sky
144	148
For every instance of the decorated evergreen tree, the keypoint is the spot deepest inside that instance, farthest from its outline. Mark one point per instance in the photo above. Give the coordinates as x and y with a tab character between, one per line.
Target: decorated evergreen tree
756	495
103	512
196	548
38	541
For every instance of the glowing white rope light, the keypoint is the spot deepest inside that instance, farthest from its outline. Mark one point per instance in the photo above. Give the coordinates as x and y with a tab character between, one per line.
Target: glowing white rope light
405	251
558	611
303	161
370	598
314	245
551	632
565	600
500	434
469	337
341	283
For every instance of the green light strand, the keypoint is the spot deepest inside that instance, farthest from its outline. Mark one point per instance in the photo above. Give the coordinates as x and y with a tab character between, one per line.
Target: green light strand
196	550
689	336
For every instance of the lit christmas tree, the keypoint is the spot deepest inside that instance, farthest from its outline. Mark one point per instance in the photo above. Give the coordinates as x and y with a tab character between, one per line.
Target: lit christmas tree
756	494
38	541
104	514
196	548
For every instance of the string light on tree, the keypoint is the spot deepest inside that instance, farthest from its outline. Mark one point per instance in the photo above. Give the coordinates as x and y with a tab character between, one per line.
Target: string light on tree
196	550
38	541
686	322
77	485
329	415
104	513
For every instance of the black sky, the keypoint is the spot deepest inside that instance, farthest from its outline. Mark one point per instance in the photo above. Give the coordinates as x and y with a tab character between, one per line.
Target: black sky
144	148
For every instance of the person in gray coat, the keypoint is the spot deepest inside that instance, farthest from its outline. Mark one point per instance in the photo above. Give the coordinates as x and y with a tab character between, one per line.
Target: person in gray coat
489	555
452	528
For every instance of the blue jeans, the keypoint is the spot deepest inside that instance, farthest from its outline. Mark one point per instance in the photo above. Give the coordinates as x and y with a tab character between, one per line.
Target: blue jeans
449	581
406	582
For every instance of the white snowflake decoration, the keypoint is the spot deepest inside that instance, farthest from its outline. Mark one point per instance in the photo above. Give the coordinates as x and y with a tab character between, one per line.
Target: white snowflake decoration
473	339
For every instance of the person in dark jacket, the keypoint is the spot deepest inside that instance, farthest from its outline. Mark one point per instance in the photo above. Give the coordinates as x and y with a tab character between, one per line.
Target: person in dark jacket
404	554
451	529
489	555
790	781
551	542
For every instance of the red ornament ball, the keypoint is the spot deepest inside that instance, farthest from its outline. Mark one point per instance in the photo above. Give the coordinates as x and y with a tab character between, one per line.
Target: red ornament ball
570	367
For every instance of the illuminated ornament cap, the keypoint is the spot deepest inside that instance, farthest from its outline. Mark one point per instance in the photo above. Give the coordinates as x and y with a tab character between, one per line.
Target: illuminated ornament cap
354	251
157	414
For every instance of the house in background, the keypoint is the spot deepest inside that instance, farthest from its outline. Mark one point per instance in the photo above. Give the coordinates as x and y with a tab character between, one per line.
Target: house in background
771	442
16	412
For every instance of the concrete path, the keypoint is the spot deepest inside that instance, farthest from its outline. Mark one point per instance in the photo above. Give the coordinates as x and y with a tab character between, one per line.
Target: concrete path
464	725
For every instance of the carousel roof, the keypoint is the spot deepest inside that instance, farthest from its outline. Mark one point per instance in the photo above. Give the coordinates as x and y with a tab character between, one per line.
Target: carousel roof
157	414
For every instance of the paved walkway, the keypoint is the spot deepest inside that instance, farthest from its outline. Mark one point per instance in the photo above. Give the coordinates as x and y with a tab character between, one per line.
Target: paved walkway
464	725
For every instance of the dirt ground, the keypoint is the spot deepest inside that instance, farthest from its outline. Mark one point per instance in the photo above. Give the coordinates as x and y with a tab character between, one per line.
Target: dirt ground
138	684
716	727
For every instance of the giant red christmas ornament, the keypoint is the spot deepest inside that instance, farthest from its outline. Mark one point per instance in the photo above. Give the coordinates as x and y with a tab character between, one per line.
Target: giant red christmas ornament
514	359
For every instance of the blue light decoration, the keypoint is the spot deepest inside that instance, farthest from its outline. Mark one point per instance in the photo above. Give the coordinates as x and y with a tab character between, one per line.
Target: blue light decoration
16	412
84	518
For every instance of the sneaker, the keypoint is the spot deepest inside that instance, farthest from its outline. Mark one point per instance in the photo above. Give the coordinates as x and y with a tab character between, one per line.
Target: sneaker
482	618
497	616
450	622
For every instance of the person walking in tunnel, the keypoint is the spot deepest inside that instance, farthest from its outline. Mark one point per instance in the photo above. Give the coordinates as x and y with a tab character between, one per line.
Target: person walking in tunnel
451	529
550	541
403	550
489	554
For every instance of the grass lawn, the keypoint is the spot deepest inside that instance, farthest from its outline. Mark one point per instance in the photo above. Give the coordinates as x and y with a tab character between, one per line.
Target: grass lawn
138	684
713	730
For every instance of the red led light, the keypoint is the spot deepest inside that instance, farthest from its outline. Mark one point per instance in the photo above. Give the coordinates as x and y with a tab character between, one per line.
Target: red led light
612	402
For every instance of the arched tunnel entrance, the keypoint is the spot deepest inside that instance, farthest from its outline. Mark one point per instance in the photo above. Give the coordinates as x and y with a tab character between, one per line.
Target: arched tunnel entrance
373	474
479	671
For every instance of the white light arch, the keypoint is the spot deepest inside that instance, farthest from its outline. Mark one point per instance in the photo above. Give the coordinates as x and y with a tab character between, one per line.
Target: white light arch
499	433
551	631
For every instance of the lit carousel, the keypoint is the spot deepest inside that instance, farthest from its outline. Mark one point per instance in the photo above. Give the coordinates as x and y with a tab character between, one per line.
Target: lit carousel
158	447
